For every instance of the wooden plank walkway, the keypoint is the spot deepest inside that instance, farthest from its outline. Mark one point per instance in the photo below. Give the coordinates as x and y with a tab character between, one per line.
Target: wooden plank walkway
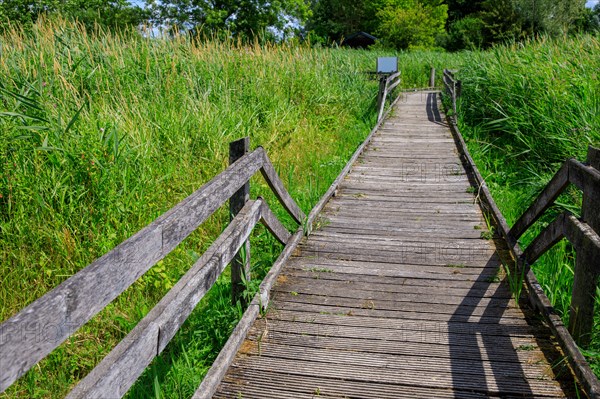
396	294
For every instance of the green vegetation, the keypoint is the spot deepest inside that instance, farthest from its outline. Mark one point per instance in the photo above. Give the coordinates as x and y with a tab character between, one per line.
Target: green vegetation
241	18
475	24
400	24
524	110
101	133
107	13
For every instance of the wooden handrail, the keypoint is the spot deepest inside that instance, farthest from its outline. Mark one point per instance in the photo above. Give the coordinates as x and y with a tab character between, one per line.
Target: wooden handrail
582	284
24	337
572	171
386	85
453	88
125	363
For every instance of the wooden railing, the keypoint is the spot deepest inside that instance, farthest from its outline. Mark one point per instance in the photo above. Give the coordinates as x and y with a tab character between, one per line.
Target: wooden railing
453	88
387	83
33	333
582	233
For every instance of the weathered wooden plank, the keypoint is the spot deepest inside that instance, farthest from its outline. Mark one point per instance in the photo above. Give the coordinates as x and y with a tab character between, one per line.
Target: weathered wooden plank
551	235
276	185
309	285
544	200
264	384
500	385
67	307
586	279
430	276
240	264
510	318
591	193
586	178
333	188
408	326
273	224
424	350
414	364
374	298
390	268
216	373
126	362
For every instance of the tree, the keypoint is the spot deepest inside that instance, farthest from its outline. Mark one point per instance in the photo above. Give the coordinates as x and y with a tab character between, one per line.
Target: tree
407	24
245	18
332	20
397	23
111	13
459	9
552	17
502	21
591	20
466	33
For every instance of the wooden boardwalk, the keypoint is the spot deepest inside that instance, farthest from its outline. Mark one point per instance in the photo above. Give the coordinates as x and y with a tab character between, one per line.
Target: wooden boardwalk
398	291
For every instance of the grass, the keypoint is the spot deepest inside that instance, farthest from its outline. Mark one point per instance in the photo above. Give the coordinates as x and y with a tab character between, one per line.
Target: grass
525	109
101	133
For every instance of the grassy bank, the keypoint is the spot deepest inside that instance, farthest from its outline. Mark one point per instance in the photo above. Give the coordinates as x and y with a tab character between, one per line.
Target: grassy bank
102	133
525	109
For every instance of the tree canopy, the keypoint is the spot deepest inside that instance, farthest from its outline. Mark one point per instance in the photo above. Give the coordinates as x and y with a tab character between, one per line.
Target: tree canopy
400	24
245	18
110	13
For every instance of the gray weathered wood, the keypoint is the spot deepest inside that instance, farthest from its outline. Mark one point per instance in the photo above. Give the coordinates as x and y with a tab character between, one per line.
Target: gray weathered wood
276	185
340	306
386	85
66	308
590	211
273	224
213	378
432	78
587	277
538	298
126	362
585	177
240	264
336	183
551	235
544	200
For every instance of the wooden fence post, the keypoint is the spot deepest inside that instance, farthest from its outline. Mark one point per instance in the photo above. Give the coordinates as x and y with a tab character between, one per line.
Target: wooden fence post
432	78
380	97
240	265
587	268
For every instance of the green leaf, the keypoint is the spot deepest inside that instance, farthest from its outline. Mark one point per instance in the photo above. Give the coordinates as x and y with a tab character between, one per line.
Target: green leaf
74	118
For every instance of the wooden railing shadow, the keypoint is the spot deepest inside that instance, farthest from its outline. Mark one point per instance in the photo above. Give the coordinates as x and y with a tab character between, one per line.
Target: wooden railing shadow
488	336
433	112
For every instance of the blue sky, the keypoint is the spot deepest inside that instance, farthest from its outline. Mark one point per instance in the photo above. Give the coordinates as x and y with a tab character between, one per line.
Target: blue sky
591	3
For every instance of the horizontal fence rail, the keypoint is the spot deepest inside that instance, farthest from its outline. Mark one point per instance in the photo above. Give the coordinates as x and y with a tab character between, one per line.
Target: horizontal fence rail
34	332
386	85
582	233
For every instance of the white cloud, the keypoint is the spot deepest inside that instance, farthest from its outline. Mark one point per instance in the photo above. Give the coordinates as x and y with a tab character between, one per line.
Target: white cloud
591	3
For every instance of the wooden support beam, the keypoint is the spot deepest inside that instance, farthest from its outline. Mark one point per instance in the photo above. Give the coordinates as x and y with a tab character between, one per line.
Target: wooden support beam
544	200
276	185
240	265
545	240
587	265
